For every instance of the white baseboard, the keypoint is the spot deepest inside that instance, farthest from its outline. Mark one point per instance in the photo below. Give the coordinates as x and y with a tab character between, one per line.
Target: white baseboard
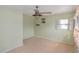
12	48
29	37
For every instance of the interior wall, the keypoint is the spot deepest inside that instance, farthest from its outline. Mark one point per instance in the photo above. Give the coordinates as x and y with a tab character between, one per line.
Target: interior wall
48	30
28	26
11	29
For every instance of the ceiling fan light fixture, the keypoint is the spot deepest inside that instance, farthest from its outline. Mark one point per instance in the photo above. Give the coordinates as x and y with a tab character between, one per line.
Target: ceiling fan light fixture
37	15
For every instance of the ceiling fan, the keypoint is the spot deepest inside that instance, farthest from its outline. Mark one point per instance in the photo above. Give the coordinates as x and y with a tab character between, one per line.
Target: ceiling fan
38	13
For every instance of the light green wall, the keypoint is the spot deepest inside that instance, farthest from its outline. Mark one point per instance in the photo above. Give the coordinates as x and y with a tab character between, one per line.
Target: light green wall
14	27
11	29
28	26
49	31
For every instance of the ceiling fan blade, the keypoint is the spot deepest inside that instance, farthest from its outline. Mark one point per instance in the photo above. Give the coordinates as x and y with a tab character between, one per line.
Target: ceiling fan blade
45	12
38	13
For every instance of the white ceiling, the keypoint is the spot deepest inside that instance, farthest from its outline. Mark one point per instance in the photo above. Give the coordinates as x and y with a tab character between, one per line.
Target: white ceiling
29	9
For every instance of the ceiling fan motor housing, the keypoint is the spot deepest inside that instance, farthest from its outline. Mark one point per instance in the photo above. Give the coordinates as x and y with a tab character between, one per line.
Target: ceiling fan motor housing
37	12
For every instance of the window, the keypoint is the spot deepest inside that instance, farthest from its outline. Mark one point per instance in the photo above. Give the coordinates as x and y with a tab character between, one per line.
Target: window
62	24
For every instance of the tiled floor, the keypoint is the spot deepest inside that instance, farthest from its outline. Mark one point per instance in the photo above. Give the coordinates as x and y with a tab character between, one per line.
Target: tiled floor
38	45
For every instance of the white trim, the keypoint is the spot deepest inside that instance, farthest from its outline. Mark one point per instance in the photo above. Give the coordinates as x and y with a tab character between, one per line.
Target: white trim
29	37
12	48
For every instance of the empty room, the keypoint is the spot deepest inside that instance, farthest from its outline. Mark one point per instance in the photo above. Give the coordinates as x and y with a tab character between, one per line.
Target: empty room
39	29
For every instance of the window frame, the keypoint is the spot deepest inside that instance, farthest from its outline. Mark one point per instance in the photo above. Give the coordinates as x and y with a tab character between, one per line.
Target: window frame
59	24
